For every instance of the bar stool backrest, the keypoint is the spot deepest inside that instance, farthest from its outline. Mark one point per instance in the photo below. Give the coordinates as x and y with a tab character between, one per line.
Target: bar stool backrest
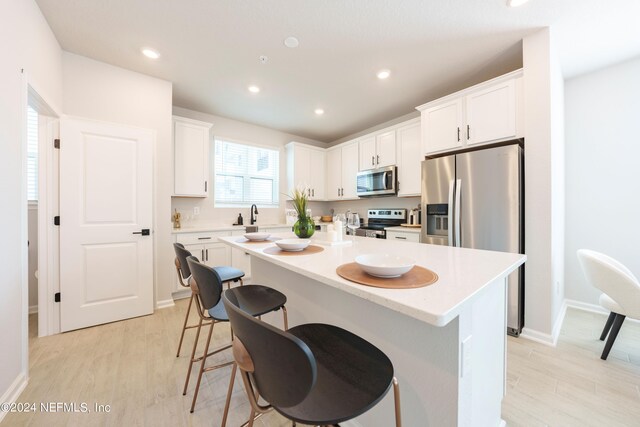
285	370
182	254
209	282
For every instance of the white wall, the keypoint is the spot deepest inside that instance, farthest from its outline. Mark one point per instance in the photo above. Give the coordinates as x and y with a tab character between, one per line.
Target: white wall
99	91
29	44
544	171
244	132
603	170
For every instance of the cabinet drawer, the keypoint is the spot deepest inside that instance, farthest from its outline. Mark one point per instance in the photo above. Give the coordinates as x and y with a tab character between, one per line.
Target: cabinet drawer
204	237
403	237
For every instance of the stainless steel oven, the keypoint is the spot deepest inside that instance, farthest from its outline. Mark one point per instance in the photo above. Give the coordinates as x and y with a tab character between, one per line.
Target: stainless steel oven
377	182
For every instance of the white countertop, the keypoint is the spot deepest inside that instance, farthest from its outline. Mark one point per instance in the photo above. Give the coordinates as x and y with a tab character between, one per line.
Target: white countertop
205	228
463	273
401	229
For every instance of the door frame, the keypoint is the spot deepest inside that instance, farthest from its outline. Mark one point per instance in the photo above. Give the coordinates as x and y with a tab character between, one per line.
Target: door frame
48	253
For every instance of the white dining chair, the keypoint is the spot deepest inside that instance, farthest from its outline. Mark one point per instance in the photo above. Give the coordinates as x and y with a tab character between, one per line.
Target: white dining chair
621	292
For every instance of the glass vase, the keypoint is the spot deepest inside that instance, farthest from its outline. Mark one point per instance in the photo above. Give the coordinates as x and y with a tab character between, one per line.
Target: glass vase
304	227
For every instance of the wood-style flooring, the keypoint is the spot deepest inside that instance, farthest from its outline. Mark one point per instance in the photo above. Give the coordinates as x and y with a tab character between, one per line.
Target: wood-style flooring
131	366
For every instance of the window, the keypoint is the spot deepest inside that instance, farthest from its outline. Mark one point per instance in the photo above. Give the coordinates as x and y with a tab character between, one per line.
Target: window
32	154
245	175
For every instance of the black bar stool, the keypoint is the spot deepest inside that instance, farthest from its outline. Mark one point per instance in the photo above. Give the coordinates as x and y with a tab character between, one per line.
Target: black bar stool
313	374
206	284
227	274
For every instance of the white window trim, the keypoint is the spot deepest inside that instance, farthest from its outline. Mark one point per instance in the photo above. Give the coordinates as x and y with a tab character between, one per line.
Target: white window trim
235	205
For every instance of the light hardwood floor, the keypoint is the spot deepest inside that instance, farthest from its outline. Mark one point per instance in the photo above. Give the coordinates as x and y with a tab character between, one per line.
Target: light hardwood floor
131	365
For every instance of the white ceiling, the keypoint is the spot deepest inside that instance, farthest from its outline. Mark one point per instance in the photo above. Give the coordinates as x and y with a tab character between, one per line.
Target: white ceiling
210	50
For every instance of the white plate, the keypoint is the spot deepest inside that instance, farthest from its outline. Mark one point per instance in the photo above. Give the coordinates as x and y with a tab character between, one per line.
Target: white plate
385	266
257	236
293	245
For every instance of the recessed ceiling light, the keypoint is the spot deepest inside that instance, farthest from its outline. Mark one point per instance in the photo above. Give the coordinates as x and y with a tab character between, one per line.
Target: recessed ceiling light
253	89
150	53
516	3
291	42
383	74
319	111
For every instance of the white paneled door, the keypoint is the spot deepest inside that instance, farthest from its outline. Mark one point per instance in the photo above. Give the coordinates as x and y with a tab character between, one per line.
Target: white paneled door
106	239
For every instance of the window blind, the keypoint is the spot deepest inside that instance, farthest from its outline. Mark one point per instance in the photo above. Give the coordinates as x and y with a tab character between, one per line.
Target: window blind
245	174
32	154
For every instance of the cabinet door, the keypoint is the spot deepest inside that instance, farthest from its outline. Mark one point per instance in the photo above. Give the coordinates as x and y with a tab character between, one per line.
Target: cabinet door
367	153
386	149
317	171
301	161
442	126
217	254
334	174
191	159
349	171
409	160
491	114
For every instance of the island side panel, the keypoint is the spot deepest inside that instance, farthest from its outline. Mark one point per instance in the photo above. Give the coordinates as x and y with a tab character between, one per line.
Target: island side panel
482	358
425	357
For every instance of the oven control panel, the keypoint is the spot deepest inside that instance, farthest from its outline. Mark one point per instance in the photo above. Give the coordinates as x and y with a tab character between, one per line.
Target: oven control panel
397	214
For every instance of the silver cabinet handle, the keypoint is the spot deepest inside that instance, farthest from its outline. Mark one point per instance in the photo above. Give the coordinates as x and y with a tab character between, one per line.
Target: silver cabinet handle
204	238
458	133
202	253
338	192
206	251
313	192
378	159
401	238
372	161
468	132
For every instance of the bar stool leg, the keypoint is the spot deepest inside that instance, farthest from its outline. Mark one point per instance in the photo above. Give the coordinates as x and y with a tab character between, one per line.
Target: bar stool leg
193	354
229	392
184	326
204	359
285	317
396	399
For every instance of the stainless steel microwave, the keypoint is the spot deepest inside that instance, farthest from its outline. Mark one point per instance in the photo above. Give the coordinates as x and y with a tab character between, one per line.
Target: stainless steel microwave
377	182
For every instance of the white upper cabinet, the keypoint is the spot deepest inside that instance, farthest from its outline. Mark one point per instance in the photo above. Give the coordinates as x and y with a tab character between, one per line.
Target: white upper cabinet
491	113
486	113
191	157
342	170
367	152
441	126
386	149
306	167
408	140
377	150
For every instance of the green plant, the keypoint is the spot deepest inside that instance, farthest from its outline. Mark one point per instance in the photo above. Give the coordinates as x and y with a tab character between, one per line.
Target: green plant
299	201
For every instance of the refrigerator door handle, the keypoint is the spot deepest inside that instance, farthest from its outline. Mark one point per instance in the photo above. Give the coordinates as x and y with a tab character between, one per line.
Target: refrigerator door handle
457	219
452	189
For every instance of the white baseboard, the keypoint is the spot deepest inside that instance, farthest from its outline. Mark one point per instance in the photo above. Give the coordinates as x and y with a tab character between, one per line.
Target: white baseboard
164	304
547	339
350	423
12	394
33	309
593	308
181	294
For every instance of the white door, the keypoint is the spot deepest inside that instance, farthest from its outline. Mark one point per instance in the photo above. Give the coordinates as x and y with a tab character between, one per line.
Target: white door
367	153
386	149
106	264
349	171
442	126
491	113
334	174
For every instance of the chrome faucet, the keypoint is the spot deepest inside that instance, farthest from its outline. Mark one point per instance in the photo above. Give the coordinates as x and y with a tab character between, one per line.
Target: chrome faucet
254	212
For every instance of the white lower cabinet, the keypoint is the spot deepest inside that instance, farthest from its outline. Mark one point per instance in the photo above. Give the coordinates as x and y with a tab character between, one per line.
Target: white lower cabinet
240	259
206	247
403	237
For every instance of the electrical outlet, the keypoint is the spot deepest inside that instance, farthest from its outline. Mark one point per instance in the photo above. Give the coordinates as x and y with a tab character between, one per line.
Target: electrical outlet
196	210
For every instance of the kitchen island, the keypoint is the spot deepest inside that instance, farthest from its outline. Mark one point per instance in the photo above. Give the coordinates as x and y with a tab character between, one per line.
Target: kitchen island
447	341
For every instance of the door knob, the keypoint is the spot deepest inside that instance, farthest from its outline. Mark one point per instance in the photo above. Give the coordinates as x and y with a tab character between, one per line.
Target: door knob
143	232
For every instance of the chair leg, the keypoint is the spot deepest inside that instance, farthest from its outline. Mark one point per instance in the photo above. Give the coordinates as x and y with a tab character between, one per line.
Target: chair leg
285	317
229	392
193	355
617	324
252	417
204	360
184	326
396	399
607	326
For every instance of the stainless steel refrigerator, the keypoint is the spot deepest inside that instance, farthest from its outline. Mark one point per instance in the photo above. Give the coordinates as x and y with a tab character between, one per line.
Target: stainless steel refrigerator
475	200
